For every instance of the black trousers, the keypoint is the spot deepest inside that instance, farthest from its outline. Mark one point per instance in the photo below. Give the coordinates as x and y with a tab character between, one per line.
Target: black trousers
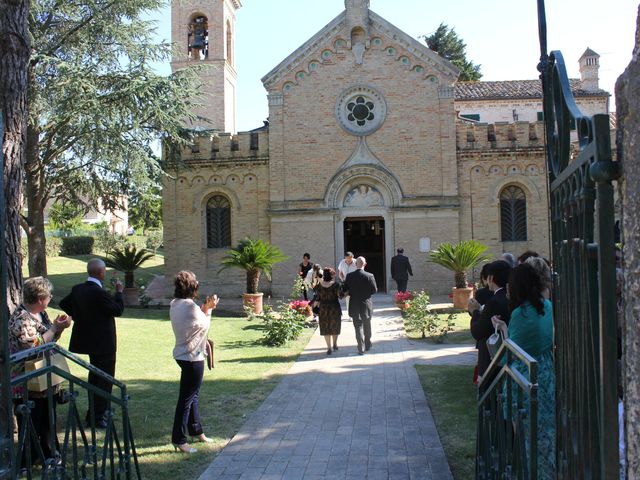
106	363
187	417
402	285
40	419
362	326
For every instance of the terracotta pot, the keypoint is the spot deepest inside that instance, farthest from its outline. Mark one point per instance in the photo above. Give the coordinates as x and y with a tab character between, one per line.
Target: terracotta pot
461	297
253	300
131	297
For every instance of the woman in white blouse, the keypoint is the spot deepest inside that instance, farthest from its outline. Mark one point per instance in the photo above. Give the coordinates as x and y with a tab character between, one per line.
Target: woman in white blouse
190	325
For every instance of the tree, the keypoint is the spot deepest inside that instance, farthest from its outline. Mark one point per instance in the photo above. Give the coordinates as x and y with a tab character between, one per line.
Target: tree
14	56
459	258
446	43
66	216
254	257
145	208
96	108
15	46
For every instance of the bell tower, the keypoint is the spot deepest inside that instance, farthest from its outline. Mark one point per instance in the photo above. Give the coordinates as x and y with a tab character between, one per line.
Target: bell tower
203	33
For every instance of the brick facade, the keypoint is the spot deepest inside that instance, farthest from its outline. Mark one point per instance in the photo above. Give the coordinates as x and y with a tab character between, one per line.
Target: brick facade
421	176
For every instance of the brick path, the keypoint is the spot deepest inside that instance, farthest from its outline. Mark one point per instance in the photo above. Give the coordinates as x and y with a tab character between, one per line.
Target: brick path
346	416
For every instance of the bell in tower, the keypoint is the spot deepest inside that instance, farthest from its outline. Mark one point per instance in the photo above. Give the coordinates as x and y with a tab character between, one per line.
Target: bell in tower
198	38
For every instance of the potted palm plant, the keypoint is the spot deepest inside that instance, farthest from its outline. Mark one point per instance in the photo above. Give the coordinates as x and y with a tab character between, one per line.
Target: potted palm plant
127	260
459	258
254	257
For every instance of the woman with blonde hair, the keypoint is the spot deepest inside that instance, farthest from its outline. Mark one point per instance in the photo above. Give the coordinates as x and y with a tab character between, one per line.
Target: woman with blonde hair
30	327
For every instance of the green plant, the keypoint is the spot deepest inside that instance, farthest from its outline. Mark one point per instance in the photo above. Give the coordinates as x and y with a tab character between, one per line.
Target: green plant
53	246
419	317
280	327
107	241
254	257
298	287
127	260
77	246
154	239
459	258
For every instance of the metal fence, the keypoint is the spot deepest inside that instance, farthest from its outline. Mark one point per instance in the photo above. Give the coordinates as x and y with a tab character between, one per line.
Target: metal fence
85	452
507	434
584	295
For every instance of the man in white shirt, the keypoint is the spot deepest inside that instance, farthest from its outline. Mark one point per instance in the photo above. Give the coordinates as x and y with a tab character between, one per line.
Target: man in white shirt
346	266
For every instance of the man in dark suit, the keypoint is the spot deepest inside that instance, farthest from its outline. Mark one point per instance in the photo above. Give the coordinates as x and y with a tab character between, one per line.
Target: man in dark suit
498	304
360	285
94	329
400	270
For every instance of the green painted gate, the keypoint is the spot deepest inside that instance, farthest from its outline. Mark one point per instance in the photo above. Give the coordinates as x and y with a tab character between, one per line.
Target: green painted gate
584	291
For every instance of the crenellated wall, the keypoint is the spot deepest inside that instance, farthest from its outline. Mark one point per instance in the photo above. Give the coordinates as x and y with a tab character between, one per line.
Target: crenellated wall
225	147
483	136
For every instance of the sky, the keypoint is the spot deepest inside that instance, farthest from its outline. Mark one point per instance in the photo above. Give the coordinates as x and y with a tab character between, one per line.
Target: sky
501	36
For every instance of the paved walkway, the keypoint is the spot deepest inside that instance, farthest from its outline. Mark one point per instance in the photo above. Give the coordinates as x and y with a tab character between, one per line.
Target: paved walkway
346	416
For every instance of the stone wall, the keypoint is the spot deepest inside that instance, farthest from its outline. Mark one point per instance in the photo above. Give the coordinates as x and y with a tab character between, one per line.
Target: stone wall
628	105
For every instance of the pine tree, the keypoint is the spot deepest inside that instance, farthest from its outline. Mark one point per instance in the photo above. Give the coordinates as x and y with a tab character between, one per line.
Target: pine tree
96	107
446	43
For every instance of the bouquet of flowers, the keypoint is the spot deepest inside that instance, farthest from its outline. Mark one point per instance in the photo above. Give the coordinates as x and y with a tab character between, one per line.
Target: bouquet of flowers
302	307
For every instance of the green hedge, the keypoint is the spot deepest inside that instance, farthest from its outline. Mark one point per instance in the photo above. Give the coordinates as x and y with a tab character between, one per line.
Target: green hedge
53	246
77	246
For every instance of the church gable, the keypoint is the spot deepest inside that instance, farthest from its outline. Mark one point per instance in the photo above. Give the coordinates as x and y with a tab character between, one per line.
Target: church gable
337	38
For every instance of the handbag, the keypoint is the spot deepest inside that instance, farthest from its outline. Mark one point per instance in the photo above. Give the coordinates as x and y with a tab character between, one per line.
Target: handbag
209	354
494	342
39	384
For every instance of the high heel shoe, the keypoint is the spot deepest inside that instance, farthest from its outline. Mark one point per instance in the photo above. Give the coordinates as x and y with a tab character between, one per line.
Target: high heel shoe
184	448
204	439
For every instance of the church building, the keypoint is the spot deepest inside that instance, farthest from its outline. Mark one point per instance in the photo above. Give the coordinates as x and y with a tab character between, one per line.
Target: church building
395	153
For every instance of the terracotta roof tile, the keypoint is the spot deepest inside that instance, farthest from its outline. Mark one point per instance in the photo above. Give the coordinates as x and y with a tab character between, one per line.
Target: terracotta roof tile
514	89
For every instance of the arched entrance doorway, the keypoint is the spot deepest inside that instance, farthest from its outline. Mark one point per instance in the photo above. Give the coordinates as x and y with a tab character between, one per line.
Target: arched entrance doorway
365	236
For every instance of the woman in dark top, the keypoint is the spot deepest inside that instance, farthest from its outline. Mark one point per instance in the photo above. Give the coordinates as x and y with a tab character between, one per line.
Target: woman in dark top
303	269
328	299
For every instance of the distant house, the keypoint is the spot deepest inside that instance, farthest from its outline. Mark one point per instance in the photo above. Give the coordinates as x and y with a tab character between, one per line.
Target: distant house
118	220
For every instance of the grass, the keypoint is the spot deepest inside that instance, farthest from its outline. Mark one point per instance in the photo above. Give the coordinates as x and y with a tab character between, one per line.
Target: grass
452	398
244	375
459	334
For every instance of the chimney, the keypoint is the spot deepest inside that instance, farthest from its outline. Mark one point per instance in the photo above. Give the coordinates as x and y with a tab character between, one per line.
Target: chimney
589	66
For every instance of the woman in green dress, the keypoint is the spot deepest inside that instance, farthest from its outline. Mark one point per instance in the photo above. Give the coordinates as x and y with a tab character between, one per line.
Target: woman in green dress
531	327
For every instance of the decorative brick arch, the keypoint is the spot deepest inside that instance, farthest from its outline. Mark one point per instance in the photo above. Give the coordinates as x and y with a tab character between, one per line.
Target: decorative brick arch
346	180
530	189
201	196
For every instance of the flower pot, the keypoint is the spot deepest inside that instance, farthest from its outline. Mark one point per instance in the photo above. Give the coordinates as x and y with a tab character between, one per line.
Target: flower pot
253	300
131	297
461	297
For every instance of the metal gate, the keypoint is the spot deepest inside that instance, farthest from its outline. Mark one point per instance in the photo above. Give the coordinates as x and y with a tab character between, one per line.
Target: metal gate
584	291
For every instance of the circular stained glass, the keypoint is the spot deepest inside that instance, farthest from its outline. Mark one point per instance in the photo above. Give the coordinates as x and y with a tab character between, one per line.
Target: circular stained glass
360	110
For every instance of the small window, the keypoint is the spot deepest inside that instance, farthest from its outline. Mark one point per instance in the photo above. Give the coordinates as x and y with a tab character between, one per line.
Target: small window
540	116
471	116
513	214
218	222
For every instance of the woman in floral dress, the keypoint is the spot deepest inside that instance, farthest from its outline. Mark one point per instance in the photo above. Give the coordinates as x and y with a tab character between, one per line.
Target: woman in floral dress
327	297
30	327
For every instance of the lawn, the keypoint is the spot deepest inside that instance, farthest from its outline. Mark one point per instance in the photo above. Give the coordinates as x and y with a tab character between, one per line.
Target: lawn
244	375
452	398
459	334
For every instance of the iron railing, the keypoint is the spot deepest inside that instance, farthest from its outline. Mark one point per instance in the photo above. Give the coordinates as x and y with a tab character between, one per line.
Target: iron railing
83	453
507	434
583	253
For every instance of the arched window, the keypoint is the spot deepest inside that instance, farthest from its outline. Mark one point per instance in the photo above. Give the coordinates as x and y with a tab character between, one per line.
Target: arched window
513	214
218	222
229	43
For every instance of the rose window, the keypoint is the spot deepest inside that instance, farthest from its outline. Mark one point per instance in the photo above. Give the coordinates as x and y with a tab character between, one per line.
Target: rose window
361	111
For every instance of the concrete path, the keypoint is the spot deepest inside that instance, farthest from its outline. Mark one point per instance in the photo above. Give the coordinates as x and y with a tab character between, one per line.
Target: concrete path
344	415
